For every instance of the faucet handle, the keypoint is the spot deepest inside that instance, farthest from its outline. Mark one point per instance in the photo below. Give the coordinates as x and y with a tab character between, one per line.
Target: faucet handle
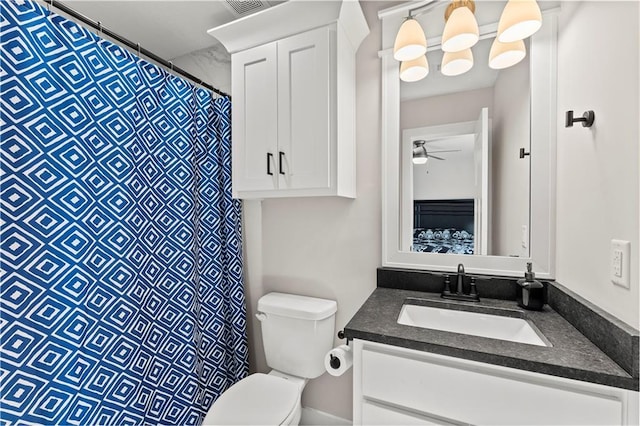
473	291
447	285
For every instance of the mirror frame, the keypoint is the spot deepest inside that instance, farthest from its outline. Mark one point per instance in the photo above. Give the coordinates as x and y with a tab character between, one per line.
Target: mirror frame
543	72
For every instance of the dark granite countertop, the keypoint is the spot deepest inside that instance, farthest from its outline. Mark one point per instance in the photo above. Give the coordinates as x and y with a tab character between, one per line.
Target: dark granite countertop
571	355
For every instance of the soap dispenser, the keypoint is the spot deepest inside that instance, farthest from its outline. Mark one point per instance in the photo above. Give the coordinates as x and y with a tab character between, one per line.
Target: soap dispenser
531	292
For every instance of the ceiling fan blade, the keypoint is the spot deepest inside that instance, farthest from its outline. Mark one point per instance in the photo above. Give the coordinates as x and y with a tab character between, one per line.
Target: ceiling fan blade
448	150
433	156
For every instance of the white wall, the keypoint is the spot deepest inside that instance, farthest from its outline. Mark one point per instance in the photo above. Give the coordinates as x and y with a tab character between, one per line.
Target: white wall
451	178
510	174
598	172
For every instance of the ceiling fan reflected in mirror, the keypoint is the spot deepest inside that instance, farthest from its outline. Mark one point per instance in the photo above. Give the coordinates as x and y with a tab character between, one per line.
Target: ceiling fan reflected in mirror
421	155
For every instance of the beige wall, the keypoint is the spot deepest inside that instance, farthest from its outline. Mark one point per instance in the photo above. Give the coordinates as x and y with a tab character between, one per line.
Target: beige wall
325	247
597	194
510	174
445	109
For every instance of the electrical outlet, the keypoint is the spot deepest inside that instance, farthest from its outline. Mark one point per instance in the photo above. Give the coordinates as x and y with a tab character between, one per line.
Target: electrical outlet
525	236
620	259
617	263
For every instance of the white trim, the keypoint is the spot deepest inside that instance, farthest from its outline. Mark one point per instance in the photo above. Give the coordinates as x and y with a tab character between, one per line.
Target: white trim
311	416
543	186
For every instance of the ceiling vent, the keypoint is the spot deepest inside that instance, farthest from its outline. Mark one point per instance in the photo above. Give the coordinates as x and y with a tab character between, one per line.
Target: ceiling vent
242	8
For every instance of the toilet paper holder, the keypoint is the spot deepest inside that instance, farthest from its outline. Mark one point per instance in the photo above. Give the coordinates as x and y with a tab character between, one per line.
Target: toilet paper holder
335	361
341	336
338	360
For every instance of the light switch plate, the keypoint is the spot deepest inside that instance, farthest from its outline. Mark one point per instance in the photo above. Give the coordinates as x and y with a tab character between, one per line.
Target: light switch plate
620	262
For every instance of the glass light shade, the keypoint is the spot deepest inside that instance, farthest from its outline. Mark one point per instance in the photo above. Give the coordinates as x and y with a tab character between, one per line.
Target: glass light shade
456	63
411	42
461	30
504	55
519	20
420	160
414	70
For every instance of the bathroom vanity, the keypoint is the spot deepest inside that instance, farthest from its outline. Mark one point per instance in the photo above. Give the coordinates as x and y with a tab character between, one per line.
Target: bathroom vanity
395	385
410	374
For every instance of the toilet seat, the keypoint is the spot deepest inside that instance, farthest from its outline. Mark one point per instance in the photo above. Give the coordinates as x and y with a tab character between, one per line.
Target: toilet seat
259	399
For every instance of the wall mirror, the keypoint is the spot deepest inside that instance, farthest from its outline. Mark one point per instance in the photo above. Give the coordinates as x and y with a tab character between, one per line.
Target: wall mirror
455	188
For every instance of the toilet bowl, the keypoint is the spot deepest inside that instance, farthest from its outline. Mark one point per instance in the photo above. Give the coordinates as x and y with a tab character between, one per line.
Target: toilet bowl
259	399
297	331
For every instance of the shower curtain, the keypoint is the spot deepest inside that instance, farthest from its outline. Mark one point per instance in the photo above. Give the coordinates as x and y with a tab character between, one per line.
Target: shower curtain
122	296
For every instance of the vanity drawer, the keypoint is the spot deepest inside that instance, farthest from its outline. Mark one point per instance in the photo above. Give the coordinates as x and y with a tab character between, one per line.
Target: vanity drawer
380	414
472	392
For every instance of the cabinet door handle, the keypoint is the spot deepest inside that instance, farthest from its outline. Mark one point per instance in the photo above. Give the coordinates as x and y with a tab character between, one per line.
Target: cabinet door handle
269	156
280	157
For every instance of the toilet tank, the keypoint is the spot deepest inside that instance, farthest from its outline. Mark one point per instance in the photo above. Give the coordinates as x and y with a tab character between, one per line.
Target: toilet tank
297	332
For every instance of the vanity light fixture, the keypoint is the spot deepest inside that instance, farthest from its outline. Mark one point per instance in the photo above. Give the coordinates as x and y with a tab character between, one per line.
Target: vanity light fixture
456	63
504	55
519	20
414	70
461	29
411	42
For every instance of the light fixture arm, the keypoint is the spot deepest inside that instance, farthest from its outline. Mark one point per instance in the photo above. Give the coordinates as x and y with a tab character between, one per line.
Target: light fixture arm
421	10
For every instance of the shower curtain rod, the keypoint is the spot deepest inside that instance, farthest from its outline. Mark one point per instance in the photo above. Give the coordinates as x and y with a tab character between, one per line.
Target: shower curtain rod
134	46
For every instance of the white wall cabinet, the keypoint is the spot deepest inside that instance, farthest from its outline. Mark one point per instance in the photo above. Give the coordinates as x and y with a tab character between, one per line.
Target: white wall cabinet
395	385
281	112
293	107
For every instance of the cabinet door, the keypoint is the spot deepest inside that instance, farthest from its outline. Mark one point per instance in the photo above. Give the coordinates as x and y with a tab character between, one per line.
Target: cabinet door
303	110
255	125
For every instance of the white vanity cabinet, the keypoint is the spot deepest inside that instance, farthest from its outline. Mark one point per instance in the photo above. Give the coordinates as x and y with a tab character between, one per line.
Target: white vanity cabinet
394	385
293	99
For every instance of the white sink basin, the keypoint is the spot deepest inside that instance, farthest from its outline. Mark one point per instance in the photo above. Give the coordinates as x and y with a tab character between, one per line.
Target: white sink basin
473	323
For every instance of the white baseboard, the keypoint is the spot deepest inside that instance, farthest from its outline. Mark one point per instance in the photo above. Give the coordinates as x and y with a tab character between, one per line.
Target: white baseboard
311	416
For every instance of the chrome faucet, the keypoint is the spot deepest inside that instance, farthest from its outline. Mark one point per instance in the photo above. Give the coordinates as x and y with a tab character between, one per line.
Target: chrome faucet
473	295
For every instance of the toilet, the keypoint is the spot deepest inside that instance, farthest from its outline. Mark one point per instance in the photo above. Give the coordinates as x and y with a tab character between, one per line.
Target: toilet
297	332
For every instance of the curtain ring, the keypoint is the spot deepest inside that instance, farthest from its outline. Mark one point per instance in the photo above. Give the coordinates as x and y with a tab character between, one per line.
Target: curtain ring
138	46
171	65
99	34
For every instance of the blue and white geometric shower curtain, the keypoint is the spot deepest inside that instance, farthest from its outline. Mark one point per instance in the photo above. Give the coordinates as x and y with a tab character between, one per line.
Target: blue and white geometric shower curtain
122	296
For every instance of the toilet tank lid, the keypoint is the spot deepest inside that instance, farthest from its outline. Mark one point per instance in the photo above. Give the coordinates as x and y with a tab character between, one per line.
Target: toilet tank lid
296	306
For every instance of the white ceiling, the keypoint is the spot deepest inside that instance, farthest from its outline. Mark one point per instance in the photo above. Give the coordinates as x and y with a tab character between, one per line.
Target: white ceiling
168	28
